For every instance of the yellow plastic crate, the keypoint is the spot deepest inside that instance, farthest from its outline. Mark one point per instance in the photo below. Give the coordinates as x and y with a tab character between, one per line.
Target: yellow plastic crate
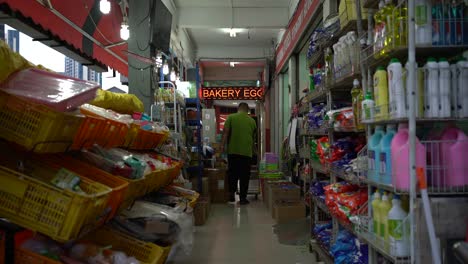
61	214
35	126
145	252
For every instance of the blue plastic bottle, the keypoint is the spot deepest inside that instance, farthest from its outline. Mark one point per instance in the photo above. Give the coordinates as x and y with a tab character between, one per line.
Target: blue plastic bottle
385	166
373	153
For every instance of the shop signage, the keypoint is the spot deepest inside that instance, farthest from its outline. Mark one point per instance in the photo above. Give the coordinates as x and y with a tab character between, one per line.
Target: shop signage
232	93
302	17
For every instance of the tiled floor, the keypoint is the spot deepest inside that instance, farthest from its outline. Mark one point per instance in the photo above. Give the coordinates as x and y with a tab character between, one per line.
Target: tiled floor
246	234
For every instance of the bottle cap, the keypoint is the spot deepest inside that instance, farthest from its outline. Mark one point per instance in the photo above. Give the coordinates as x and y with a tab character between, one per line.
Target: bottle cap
381	68
431	59
376	194
368	95
356	82
381	4
442	59
394	60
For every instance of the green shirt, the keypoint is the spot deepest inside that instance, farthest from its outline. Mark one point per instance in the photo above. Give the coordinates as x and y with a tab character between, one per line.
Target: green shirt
242	129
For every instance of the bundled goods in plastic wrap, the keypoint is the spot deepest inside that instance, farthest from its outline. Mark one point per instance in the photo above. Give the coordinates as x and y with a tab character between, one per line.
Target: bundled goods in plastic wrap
342	119
38	247
319	149
344	199
347	249
323	233
159	224
316	116
120	103
344	150
317	189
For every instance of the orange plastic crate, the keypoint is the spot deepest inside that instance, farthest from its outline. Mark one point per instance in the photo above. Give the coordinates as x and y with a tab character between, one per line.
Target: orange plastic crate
141	139
104	132
118	185
24	256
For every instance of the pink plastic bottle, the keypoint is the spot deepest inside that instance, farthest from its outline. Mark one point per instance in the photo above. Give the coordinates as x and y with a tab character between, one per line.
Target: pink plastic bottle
454	151
400	158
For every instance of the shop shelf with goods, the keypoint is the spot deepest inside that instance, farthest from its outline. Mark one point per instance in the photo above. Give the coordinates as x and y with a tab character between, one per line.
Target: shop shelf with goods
194	122
422	97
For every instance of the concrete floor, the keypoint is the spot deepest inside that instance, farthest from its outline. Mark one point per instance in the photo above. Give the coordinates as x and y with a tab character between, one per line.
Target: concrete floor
246	234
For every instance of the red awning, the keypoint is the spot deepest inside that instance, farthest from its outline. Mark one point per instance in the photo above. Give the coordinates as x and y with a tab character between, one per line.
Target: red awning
85	14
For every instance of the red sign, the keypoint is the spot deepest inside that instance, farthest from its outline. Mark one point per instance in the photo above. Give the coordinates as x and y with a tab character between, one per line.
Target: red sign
232	93
304	12
222	120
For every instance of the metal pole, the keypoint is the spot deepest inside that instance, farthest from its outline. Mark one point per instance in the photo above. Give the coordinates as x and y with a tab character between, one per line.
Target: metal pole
412	123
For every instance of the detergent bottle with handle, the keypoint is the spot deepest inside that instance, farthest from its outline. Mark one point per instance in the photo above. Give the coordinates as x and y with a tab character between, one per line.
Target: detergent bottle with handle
385	207
386	154
454	150
400	157
373	153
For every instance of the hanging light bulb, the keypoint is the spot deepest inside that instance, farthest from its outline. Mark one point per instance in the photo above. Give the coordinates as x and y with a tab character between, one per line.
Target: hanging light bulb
158	61
105	6
124	32
165	68
173	75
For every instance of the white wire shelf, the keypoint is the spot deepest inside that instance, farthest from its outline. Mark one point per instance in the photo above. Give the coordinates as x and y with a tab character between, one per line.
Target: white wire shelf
317	95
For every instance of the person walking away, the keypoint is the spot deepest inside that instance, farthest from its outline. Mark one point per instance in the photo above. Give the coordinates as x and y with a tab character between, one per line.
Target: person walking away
239	132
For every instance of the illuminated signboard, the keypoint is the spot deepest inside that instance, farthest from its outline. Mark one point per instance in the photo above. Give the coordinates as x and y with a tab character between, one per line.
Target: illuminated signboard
232	93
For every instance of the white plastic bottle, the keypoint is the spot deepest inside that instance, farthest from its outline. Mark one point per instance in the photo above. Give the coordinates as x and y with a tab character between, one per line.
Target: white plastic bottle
419	105
462	67
444	88
431	91
368	107
454	92
423	22
398	230
396	90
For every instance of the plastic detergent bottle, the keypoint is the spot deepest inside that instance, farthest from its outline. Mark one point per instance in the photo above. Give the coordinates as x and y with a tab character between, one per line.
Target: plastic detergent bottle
462	94
379	29
311	80
368	107
386	154
389	25
444	88
356	94
376	213
381	93
400	157
431	89
398	231
419	105
400	25
385	207
396	90
454	91
373	153
454	150
423	21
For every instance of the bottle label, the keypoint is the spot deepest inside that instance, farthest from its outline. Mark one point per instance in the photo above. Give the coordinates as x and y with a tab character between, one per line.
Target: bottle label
376	226
421	15
395	229
383	163
371	155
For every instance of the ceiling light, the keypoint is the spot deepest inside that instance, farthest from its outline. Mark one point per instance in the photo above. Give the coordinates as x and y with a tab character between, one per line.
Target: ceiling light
173	75
124	32
232	33
165	68
232	64
105	6
234	103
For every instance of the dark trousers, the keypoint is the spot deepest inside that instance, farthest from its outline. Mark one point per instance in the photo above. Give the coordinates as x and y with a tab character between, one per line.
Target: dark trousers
239	170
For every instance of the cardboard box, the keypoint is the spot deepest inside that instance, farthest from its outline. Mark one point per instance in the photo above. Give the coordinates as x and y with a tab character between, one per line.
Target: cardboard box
288	211
219	188
201	211
205	186
281	190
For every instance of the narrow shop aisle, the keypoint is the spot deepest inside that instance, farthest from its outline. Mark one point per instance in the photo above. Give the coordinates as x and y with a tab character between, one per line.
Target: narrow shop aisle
245	234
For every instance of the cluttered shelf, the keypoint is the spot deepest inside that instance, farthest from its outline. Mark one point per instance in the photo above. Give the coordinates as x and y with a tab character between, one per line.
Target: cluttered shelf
322	251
